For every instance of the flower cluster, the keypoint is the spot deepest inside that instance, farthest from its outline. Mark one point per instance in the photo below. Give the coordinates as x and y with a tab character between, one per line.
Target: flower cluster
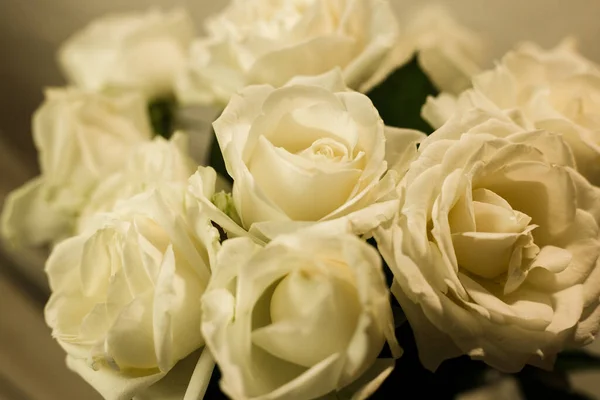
332	230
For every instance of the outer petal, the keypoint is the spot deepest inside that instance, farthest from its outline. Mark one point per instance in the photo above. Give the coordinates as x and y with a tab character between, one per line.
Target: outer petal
174	385
28	216
437	110
233	126
383	32
313	57
449	53
111	384
175	310
434	345
332	80
369	382
401	147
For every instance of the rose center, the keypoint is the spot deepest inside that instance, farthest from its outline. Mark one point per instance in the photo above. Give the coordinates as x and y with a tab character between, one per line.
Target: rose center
313	315
326	149
489	237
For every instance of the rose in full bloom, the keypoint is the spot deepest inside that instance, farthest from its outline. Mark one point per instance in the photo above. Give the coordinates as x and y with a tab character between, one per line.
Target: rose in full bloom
310	152
265	41
152	164
495	248
449	53
142	51
302	317
125	301
81	138
556	90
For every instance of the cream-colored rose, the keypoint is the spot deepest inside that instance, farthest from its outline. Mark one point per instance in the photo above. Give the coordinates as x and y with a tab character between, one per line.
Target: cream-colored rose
302	317
310	152
125	301
556	90
495	249
81	138
142	51
449	53
153	164
264	41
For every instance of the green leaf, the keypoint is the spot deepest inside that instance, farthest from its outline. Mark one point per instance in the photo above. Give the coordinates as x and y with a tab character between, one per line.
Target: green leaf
576	360
224	202
400	97
161	113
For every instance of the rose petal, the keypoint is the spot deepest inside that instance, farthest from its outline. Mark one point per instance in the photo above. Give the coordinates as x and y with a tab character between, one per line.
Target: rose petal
312	196
130	341
111	384
529	309
522	182
401	147
298	322
434	346
437	110
174	385
311	57
332	80
176	309
233	125
568	307
29	217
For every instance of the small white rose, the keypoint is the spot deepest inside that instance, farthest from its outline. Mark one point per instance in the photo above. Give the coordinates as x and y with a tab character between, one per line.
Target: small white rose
495	249
125	301
311	152
302	317
261	41
142	51
153	164
556	90
81	138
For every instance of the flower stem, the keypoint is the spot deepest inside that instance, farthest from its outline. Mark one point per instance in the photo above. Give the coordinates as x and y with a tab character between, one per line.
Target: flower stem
201	376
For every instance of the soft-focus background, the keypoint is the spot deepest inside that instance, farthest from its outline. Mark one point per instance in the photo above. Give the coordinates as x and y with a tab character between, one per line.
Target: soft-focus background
31	363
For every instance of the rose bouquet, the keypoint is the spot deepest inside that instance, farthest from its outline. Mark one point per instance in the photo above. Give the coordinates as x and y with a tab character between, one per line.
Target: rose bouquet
374	216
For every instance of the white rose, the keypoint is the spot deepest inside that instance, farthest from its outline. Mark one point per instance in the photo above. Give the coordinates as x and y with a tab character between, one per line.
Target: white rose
81	138
310	152
263	41
556	90
448	53
495	250
141	51
125	301
302	317
153	164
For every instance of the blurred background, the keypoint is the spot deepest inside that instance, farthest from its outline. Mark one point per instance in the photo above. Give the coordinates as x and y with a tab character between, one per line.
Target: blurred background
31	363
